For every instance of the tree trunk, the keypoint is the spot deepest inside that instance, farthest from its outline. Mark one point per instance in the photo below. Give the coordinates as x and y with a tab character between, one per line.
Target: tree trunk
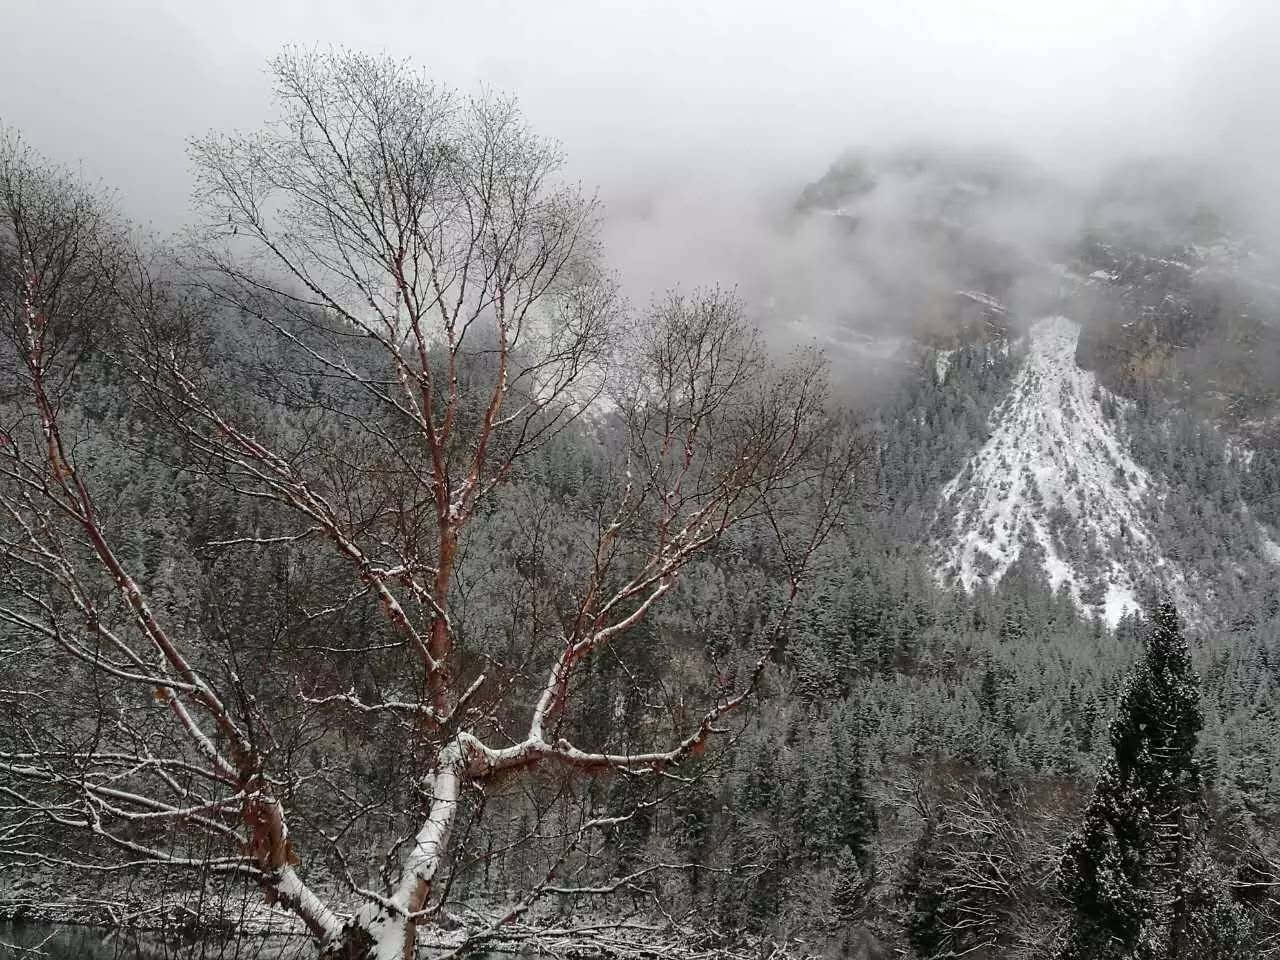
387	930
355	943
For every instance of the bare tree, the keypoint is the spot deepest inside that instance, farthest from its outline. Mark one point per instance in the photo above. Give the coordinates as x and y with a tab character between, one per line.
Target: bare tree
980	875
422	311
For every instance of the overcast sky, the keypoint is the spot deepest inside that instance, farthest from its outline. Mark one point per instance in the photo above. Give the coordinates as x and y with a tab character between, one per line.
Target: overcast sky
682	113
644	89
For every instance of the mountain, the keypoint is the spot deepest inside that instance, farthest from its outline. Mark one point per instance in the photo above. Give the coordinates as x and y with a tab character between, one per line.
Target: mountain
1055	479
1129	444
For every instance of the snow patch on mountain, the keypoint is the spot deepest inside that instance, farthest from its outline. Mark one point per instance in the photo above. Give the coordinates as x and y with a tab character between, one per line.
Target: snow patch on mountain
942	363
1055	478
1270	549
985	300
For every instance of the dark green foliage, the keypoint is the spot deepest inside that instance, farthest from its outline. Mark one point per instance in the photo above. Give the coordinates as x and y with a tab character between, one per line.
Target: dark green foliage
838	816
922	889
1136	875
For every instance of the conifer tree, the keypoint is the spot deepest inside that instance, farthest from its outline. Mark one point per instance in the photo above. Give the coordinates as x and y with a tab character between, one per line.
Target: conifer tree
1138	880
849	888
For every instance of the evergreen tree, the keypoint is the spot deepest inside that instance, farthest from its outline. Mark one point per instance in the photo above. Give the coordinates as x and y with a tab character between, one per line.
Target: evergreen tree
1136	875
850	885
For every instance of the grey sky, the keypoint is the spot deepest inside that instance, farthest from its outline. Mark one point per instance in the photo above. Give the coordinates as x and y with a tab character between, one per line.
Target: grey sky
659	85
681	111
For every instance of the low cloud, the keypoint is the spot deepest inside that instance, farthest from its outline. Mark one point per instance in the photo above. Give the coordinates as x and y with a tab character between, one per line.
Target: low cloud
701	122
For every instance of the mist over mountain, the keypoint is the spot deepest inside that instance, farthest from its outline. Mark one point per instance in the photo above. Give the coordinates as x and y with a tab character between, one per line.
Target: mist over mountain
1165	306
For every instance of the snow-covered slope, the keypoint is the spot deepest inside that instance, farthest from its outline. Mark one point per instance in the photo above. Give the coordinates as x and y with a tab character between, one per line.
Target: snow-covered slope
1055	478
1270	549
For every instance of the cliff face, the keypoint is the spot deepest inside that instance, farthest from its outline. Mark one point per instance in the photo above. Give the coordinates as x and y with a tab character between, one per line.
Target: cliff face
1191	325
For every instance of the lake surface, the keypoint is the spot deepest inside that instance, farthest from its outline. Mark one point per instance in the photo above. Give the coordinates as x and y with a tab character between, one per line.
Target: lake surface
44	941
41	941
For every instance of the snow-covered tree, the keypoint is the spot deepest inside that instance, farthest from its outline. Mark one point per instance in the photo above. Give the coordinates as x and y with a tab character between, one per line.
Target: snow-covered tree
1136	875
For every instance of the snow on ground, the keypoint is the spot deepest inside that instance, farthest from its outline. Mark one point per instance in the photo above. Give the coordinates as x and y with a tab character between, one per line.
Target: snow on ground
942	363
1270	549
1054	477
983	300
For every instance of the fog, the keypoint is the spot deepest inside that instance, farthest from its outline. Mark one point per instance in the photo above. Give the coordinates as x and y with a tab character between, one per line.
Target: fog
700	122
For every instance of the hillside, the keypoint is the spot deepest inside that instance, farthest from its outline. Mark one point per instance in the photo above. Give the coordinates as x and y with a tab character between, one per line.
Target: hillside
1055	479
